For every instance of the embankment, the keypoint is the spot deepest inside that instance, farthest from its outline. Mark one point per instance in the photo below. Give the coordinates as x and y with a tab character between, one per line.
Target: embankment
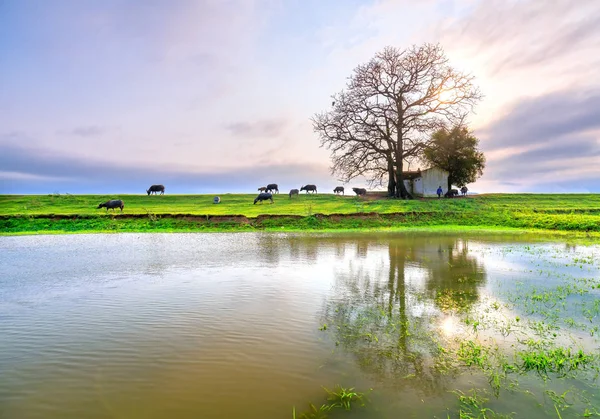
588	223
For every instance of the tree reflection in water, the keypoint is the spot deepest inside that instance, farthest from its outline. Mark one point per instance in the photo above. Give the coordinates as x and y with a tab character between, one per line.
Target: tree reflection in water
389	317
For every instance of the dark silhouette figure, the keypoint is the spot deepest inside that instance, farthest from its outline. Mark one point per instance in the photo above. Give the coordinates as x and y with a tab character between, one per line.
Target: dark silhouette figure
264	196
451	193
360	191
156	188
307	188
272	187
112	204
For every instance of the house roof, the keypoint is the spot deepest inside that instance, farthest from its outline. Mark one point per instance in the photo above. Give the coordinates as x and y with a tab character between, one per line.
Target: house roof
411	174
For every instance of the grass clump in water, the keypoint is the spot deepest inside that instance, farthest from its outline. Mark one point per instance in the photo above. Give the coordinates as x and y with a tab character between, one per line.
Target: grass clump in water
473	353
344	397
472	406
338	398
560	361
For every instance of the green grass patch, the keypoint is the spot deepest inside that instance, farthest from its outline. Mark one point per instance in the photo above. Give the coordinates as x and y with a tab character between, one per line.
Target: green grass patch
187	213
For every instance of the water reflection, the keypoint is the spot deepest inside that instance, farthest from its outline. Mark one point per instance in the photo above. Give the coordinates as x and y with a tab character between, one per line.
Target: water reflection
390	317
456	277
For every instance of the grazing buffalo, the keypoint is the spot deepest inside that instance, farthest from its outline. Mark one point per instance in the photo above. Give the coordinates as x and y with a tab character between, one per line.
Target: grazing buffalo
114	203
451	193
263	196
308	188
156	188
294	192
262	189
359	191
339	189
464	190
272	187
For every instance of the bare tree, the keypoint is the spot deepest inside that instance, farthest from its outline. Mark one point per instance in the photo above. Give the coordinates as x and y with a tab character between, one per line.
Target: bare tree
389	109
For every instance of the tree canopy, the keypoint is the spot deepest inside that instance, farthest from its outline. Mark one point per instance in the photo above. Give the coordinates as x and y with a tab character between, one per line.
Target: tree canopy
388	111
455	150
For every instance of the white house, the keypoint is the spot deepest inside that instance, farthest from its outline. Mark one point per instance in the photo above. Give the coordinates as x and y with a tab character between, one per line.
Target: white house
424	183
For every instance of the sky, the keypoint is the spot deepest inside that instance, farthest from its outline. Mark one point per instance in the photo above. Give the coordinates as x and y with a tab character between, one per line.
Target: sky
215	96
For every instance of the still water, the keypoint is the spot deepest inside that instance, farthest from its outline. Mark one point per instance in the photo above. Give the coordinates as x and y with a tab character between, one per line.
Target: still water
252	325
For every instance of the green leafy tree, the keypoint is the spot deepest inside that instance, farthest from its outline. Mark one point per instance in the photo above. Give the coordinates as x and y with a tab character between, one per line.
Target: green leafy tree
456	151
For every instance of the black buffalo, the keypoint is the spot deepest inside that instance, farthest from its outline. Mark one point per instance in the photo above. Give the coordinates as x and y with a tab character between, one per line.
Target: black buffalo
451	193
308	188
112	204
262	189
294	192
359	191
464	190
156	188
272	187
339	189
263	197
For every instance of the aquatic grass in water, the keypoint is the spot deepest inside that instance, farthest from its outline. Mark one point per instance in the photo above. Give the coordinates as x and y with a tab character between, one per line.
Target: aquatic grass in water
473	354
338	398
344	397
314	412
559	361
473	406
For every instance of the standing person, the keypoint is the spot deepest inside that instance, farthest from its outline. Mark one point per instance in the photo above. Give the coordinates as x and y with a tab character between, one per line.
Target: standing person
439	192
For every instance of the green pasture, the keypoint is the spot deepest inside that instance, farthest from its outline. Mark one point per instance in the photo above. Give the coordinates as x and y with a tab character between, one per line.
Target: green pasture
42	213
242	204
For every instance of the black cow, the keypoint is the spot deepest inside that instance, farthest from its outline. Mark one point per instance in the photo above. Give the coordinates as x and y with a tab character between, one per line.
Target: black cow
308	188
359	191
451	193
464	190
272	187
263	197
114	203
156	188
339	189
294	192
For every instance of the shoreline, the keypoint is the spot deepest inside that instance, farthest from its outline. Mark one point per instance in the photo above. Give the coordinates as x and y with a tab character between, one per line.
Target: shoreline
52	224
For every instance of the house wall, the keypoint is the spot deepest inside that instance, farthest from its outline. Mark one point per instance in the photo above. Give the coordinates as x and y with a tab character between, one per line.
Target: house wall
427	184
408	185
431	179
418	186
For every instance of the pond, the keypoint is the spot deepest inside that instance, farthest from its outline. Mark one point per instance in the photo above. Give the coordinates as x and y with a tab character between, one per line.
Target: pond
260	325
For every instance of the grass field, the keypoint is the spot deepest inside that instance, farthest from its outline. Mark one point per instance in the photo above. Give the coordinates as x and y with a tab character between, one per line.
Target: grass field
78	213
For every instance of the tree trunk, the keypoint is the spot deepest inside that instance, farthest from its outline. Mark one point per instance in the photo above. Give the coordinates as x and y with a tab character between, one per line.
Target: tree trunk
401	191
449	183
391	179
